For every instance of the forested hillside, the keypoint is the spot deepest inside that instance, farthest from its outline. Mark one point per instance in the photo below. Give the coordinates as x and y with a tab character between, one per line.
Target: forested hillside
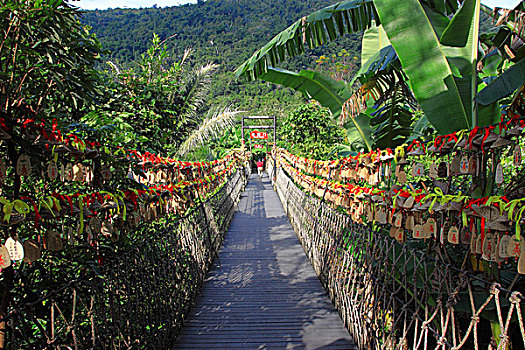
225	32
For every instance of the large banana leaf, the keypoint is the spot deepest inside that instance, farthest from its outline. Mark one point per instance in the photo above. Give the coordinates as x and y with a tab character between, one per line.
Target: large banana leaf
441	75
394	110
381	60
374	40
423	61
504	85
328	92
317	29
460	42
354	134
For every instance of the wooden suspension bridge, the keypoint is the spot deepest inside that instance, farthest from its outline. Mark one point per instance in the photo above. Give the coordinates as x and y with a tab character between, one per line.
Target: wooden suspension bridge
262	292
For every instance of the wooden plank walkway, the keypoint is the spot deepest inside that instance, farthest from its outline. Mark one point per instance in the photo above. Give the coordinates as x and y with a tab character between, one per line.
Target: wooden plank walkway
263	294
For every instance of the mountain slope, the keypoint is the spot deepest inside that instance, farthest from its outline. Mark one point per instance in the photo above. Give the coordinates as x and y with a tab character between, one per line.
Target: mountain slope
226	32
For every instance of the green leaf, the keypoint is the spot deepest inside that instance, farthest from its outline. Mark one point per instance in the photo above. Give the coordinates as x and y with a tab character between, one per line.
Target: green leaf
328	92
359	137
419	127
315	30
504	85
423	61
455	33
374	40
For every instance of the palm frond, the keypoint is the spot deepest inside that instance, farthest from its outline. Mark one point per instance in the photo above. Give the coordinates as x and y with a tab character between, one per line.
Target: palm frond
197	86
216	122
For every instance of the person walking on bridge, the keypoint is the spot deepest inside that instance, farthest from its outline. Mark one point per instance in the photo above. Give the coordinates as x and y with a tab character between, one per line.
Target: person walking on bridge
260	165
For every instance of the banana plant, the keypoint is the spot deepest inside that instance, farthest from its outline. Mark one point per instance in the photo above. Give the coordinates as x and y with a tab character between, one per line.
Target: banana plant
436	43
329	93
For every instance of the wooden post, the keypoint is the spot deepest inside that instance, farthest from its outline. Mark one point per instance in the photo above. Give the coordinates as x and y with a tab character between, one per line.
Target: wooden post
274	145
242	131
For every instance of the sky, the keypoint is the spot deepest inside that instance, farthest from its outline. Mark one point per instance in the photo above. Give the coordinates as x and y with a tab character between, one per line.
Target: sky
104	4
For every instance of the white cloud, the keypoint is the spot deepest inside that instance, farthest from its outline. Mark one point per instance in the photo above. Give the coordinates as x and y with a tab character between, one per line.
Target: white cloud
104	4
510	4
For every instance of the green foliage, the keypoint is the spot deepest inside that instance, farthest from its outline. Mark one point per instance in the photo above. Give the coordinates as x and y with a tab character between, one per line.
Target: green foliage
223	32
47	61
309	131
394	111
340	66
216	147
437	45
154	106
214	124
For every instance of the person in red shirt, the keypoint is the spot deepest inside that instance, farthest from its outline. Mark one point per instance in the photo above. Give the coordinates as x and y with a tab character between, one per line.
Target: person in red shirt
260	165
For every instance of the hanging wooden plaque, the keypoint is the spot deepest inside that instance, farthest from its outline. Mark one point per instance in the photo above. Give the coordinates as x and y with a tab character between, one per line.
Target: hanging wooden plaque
479	246
78	172
107	228
503	245
473	165
398	219
393	231
514	249
498	178
488	248
95	224
418	170
88	174
455	164
398	169
430	229
517	156
463	165
409	222
465	235
443	169
453	235
432	170
15	249
402	177
5	259
23	165
62	173
69	173
495	255
52	170
32	251
369	213
417	231
382	216
53	241
400	234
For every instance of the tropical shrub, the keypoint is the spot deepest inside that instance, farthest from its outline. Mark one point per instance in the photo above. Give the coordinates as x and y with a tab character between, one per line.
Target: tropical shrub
309	131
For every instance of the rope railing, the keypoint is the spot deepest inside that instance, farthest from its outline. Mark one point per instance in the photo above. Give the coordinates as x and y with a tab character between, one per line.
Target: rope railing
135	297
392	294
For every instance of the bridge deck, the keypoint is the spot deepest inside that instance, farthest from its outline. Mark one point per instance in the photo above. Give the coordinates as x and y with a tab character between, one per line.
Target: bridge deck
263	294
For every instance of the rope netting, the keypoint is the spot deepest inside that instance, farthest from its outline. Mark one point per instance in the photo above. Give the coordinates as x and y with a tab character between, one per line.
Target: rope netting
419	247
391	295
138	293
